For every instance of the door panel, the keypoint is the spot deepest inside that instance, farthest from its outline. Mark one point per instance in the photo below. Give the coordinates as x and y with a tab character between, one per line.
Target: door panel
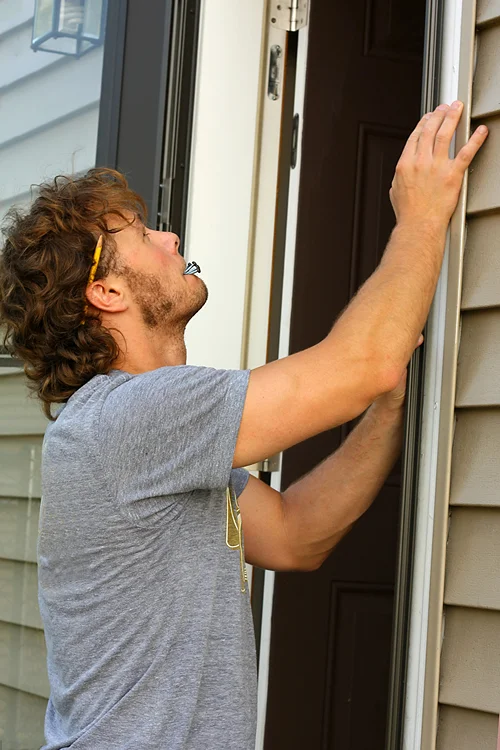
331	630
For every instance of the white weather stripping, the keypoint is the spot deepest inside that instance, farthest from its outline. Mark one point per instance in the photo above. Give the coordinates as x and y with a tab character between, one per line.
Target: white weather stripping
284	348
416	675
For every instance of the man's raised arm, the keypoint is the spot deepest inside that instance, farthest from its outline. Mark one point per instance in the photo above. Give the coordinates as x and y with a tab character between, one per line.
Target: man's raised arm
368	349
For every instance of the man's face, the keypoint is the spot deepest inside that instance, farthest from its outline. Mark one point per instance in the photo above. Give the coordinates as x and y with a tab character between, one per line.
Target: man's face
150	264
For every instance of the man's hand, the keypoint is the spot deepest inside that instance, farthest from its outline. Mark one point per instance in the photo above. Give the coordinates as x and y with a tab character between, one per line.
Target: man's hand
427	182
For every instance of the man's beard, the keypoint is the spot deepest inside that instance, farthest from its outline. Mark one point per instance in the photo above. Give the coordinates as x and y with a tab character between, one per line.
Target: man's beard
159	309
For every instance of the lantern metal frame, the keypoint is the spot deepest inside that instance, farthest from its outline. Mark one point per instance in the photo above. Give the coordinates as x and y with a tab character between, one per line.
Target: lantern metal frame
54	33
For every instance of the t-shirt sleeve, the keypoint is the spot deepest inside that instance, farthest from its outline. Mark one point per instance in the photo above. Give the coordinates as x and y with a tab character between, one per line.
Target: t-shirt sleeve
239	480
170	432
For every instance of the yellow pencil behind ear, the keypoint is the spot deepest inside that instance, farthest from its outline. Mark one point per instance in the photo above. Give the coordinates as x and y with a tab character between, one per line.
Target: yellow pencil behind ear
93	269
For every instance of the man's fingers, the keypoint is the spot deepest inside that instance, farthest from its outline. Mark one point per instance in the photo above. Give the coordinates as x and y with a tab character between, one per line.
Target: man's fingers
468	152
431	127
447	130
411	143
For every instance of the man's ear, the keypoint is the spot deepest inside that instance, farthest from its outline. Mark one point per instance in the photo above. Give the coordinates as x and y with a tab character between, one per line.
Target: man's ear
107	295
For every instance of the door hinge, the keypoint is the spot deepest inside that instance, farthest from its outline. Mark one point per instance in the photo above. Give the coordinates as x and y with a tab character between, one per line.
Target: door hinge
289	15
275	72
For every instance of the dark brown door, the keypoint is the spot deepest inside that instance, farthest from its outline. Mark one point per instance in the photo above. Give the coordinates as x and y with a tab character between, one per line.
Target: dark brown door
331	630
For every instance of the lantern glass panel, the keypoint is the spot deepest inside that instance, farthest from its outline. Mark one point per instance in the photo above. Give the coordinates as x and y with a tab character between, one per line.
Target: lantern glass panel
92	22
71	17
44	14
64	45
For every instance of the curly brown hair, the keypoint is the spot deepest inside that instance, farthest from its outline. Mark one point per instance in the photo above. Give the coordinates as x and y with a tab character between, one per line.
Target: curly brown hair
44	270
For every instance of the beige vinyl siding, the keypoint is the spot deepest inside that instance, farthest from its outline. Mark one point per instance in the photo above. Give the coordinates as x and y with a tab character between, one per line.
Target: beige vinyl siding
470	659
19	527
487	11
21	716
22	659
481	287
18	594
24	685
473	578
462	729
476	458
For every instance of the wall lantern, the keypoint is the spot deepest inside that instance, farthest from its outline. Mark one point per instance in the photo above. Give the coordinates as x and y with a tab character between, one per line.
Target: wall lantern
68	27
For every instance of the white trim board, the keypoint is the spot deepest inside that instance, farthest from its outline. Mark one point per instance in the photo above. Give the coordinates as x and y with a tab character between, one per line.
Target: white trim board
221	182
284	348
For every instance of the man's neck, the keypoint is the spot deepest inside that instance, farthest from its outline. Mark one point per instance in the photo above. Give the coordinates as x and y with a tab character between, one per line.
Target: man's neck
150	350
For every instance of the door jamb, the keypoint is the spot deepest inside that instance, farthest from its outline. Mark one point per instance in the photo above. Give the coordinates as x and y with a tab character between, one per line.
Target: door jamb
421	701
283	351
412	439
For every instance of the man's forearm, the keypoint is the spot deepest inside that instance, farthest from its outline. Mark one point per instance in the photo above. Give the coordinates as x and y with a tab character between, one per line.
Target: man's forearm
322	506
383	321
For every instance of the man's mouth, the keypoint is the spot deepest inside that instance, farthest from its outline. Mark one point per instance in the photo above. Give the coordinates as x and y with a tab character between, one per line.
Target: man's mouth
191	269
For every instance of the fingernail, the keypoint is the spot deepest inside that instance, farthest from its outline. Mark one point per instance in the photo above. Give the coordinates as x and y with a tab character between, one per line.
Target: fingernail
428	115
457	105
482	129
442	107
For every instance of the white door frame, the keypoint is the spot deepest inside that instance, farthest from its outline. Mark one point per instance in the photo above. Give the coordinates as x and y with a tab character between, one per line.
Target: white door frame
284	347
220	201
431	418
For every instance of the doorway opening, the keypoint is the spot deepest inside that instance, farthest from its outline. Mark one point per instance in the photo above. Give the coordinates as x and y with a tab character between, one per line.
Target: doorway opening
332	630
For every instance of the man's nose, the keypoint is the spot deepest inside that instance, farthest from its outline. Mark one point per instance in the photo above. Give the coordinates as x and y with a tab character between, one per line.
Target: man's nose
173	242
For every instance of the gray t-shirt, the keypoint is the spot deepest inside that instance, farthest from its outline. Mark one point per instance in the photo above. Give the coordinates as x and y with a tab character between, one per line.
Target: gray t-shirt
149	637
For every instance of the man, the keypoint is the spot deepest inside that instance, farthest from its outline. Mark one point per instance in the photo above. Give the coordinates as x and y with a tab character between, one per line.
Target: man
142	584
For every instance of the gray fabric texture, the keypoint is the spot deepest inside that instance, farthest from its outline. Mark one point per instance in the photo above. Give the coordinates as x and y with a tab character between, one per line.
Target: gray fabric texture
150	641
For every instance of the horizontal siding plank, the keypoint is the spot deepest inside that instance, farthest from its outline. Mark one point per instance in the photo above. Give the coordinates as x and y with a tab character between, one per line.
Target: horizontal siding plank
470	663
68	147
13	13
22	719
475	470
19	528
18	60
488	11
461	729
478	369
481	278
19	594
473	562
23	660
20	412
21	201
486	89
49	96
484	185
20	461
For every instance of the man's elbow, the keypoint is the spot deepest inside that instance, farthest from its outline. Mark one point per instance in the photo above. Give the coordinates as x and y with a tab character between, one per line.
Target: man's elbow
306	564
311	562
389	379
